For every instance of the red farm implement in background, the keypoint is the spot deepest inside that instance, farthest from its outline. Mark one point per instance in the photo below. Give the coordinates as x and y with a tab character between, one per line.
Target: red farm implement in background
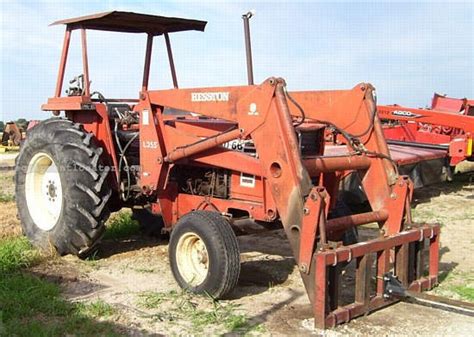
462	106
168	151
446	127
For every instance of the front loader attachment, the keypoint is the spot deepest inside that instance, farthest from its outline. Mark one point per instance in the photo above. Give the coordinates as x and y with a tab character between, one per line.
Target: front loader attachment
301	187
404	254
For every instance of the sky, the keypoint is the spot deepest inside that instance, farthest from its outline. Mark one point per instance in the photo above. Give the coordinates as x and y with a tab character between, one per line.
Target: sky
407	51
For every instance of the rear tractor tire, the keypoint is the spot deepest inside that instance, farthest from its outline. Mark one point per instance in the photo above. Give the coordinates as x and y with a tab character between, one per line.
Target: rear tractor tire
62	192
204	254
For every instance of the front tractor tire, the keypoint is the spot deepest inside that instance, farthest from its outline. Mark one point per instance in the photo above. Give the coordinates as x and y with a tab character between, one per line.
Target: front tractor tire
62	192
204	254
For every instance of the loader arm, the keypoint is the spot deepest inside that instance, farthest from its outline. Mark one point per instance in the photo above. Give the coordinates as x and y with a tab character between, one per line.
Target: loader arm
263	114
353	112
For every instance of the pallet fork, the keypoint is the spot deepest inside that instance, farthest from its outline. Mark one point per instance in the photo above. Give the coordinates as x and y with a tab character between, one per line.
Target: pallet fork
403	253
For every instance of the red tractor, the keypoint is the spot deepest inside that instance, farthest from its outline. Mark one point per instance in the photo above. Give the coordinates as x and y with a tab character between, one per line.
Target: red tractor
203	158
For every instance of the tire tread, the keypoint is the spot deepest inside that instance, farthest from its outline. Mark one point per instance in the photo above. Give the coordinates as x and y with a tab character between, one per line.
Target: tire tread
82	226
217	227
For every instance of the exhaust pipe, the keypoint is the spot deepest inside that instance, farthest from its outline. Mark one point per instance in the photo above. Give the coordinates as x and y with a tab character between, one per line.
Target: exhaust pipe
248	48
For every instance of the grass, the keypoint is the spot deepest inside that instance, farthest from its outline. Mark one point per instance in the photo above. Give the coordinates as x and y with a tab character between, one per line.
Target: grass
425	215
17	253
457	285
145	270
34	307
152	299
31	306
464	292
121	225
440	215
96	309
457	291
203	313
4	197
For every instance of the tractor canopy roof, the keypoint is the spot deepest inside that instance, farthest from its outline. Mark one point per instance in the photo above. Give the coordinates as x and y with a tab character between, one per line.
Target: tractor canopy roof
132	23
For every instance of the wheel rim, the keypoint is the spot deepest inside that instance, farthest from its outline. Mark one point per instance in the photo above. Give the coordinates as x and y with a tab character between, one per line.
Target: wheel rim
43	191
192	259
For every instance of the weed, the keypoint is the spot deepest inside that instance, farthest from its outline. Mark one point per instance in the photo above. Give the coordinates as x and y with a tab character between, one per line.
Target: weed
153	299
33	307
6	177
465	292
236	322
30	306
93	260
17	253
456	284
96	309
439	215
121	225
203	313
93	257
5	197
144	270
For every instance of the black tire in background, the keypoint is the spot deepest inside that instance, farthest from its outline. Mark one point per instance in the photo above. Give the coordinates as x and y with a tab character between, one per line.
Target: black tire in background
84	184
222	248
150	224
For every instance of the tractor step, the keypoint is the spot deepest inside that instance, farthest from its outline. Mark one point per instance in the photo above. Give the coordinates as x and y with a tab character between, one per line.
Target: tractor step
404	254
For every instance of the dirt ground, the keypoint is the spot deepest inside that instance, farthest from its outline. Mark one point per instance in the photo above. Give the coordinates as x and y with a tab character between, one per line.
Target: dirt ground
130	273
7	160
